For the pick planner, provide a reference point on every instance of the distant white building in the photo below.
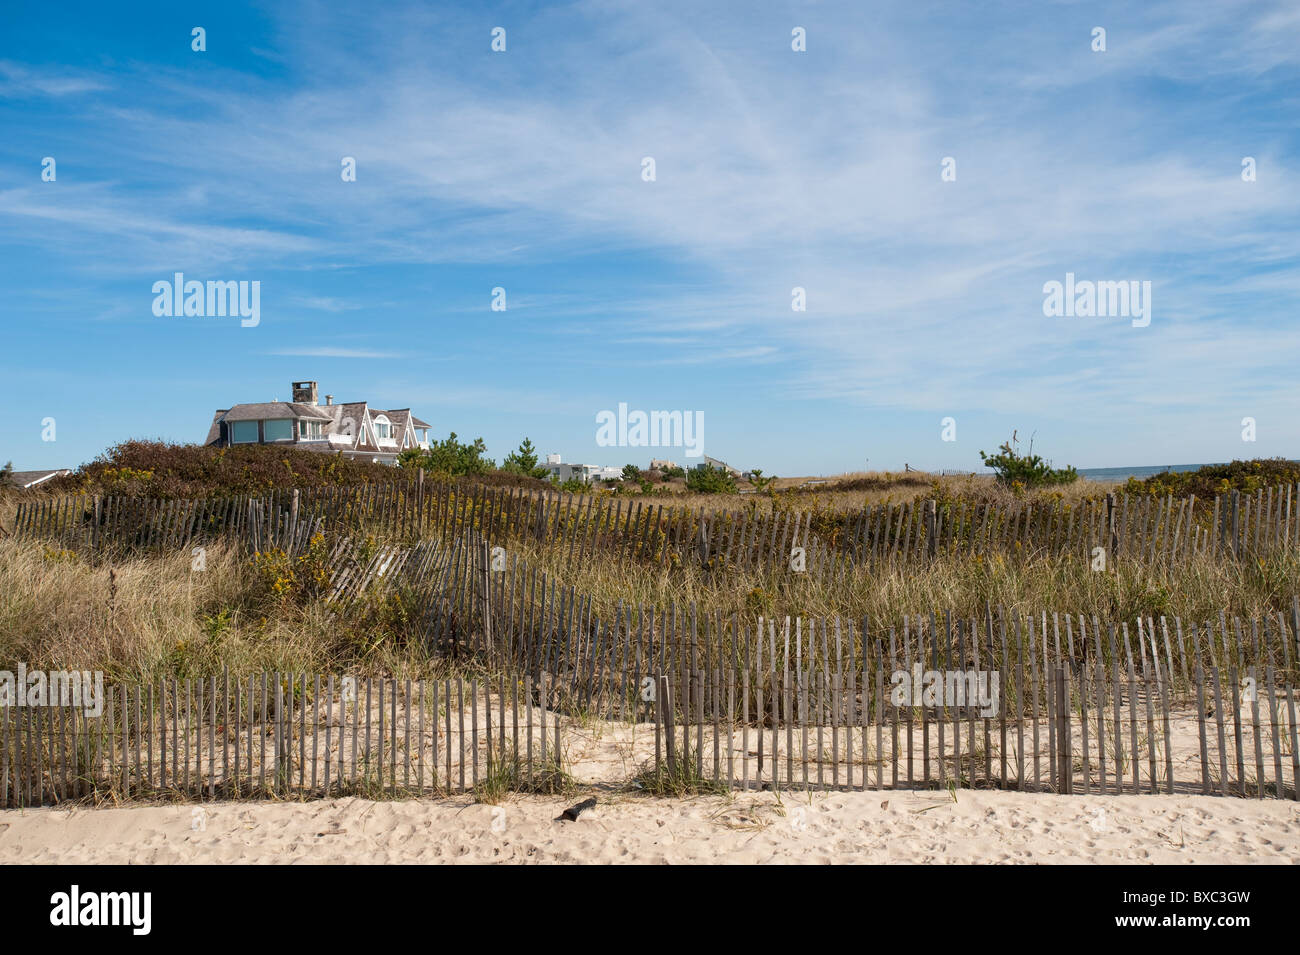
(587, 473)
(709, 462)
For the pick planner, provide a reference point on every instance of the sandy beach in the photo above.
(752, 828)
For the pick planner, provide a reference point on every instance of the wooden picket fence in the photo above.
(278, 735)
(1066, 729)
(581, 527)
(1126, 689)
(120, 525)
(1077, 705)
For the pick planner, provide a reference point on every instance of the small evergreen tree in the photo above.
(449, 457)
(1027, 470)
(524, 461)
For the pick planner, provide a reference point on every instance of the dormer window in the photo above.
(383, 428)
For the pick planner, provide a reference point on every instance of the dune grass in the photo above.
(1195, 589)
(150, 617)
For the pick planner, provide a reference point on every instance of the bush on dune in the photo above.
(161, 470)
(1206, 482)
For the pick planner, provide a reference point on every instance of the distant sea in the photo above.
(1123, 474)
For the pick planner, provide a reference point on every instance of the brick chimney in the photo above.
(304, 392)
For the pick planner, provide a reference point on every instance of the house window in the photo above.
(279, 429)
(383, 429)
(309, 430)
(243, 432)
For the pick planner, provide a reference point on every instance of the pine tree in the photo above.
(524, 461)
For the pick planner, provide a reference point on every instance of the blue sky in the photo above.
(774, 169)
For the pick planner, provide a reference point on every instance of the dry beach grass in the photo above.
(152, 617)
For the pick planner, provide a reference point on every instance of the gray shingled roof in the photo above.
(28, 478)
(214, 432)
(414, 420)
(275, 409)
(356, 410)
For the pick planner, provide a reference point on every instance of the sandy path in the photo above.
(981, 826)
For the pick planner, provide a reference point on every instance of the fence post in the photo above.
(1064, 769)
(485, 557)
(931, 526)
(1236, 526)
(419, 499)
(1110, 525)
(664, 704)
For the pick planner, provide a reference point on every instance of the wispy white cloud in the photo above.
(325, 351)
(326, 303)
(17, 80)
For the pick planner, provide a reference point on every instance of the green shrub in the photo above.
(160, 470)
(1206, 482)
(1026, 470)
(710, 480)
(449, 456)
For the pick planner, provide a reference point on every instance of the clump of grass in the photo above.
(681, 777)
(503, 777)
